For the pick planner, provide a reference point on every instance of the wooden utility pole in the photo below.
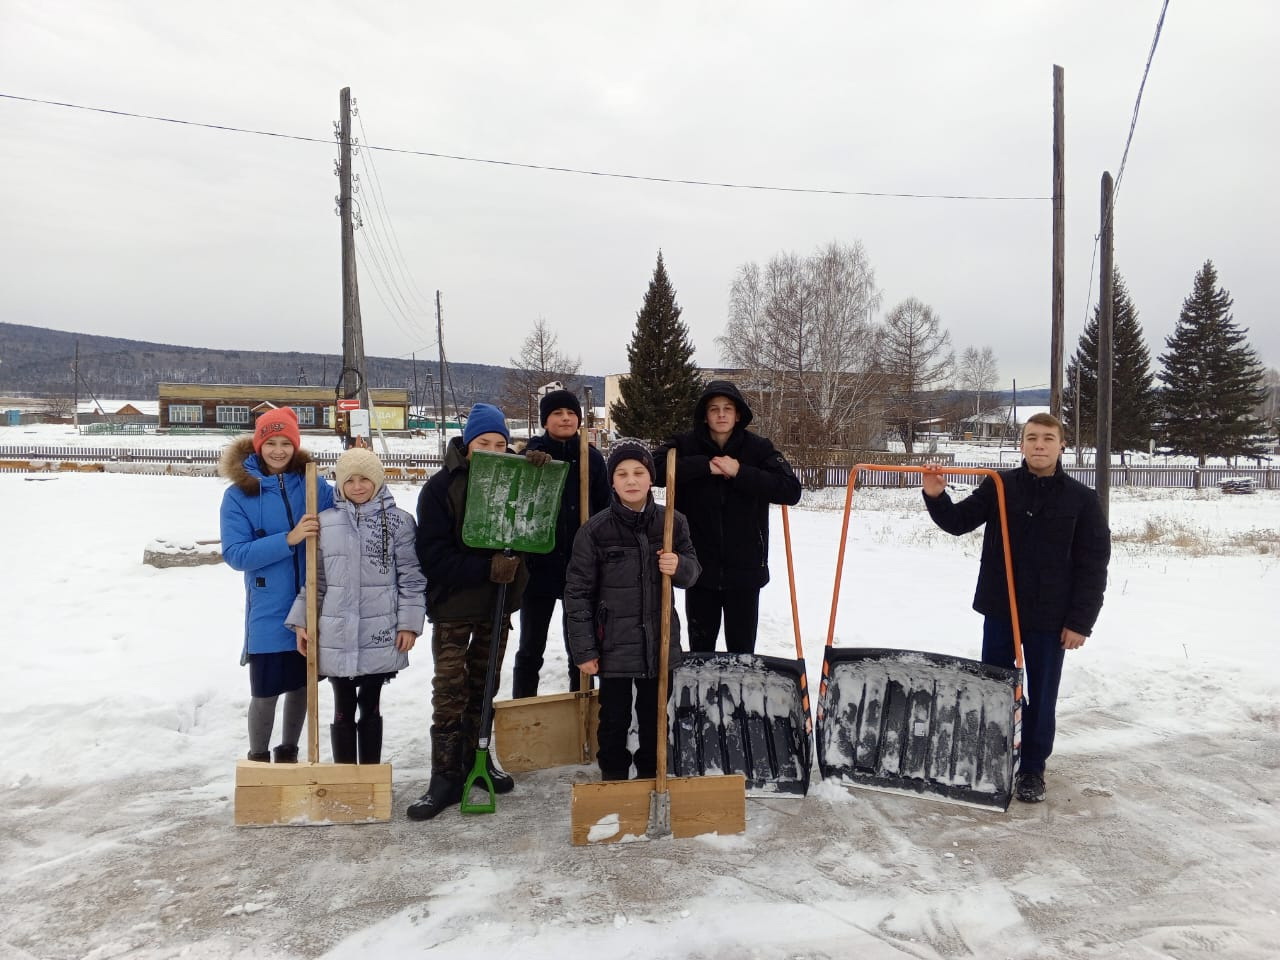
(75, 389)
(1059, 248)
(352, 380)
(1102, 461)
(440, 345)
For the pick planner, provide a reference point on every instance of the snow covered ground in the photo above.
(123, 716)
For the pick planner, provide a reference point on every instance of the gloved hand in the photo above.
(539, 458)
(502, 569)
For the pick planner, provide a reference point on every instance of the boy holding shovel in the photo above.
(613, 600)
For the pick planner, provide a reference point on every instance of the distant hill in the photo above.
(35, 361)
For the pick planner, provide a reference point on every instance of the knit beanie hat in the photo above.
(485, 418)
(359, 462)
(630, 450)
(281, 422)
(557, 399)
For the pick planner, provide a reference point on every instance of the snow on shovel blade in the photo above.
(920, 723)
(741, 713)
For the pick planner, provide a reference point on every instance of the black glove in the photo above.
(539, 458)
(502, 568)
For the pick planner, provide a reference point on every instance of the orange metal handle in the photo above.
(934, 471)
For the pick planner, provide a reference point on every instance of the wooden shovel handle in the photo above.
(668, 535)
(313, 620)
(584, 511)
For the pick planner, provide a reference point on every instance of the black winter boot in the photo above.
(444, 790)
(342, 738)
(502, 781)
(369, 737)
(286, 754)
(264, 757)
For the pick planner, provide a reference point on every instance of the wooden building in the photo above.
(229, 407)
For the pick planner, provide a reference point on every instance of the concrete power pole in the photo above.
(1103, 459)
(440, 345)
(352, 381)
(1059, 247)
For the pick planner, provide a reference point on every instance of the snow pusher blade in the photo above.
(741, 713)
(922, 723)
(618, 811)
(311, 793)
(745, 713)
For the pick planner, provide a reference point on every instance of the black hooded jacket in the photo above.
(1058, 539)
(729, 516)
(546, 571)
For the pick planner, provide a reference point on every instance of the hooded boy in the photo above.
(726, 478)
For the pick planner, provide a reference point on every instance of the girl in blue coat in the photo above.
(264, 525)
(372, 600)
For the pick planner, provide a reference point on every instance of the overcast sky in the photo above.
(136, 228)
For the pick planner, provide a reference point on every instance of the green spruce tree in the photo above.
(1212, 378)
(659, 394)
(1133, 397)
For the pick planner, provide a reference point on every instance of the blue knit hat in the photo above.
(485, 418)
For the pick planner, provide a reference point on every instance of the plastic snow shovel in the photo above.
(746, 713)
(511, 505)
(301, 794)
(554, 729)
(921, 723)
(663, 806)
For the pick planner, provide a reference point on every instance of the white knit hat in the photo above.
(359, 462)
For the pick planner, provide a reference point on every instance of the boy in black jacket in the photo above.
(613, 597)
(726, 478)
(561, 415)
(1060, 547)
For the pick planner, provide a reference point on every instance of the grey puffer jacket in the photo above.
(613, 589)
(369, 586)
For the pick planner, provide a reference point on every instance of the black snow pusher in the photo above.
(745, 713)
(921, 723)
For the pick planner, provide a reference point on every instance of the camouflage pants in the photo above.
(460, 650)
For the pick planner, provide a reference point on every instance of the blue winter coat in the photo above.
(369, 586)
(258, 511)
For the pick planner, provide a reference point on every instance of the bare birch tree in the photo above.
(977, 373)
(917, 360)
(539, 362)
(800, 330)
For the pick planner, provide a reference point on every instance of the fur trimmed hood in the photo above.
(241, 466)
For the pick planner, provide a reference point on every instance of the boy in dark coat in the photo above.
(613, 597)
(1060, 546)
(461, 590)
(726, 478)
(561, 415)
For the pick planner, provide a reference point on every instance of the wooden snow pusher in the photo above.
(554, 729)
(746, 713)
(664, 806)
(311, 793)
(921, 723)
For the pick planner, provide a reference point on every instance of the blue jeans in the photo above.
(1042, 652)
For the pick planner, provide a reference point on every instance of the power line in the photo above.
(537, 166)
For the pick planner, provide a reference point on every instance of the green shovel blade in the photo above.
(480, 772)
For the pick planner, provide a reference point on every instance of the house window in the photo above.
(306, 416)
(229, 414)
(186, 413)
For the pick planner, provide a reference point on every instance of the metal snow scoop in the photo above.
(554, 729)
(511, 505)
(745, 713)
(921, 723)
(664, 806)
(311, 793)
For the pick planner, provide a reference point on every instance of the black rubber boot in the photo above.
(264, 757)
(342, 738)
(369, 738)
(444, 791)
(503, 782)
(286, 754)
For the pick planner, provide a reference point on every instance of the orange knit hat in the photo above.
(282, 422)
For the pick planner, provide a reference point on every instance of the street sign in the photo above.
(351, 403)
